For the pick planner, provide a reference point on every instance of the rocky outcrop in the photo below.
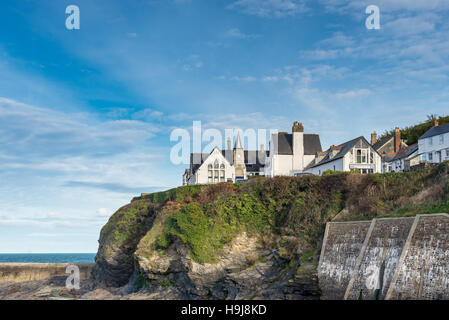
(244, 270)
(114, 263)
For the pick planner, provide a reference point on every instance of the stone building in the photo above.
(388, 148)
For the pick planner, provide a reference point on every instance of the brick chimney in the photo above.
(435, 123)
(373, 138)
(397, 140)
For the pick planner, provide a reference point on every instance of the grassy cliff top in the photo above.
(287, 213)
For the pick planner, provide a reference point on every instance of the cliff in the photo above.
(256, 240)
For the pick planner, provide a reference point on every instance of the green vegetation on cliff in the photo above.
(286, 213)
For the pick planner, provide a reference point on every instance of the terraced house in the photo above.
(433, 146)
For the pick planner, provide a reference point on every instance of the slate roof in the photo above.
(312, 144)
(404, 153)
(379, 144)
(254, 160)
(435, 131)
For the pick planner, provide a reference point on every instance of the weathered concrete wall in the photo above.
(378, 259)
(20, 272)
(396, 258)
(341, 247)
(423, 271)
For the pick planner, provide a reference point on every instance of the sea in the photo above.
(47, 257)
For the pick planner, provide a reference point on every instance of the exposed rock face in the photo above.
(244, 270)
(118, 241)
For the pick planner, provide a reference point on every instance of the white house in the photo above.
(231, 165)
(291, 153)
(356, 154)
(433, 146)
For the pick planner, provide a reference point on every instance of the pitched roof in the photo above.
(379, 144)
(312, 144)
(405, 152)
(435, 131)
(344, 149)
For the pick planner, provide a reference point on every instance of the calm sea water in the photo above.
(47, 257)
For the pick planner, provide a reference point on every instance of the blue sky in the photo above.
(86, 115)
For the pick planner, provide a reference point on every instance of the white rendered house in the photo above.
(356, 154)
(433, 146)
(291, 153)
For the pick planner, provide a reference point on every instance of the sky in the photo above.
(86, 115)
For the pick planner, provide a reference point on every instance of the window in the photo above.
(371, 157)
(447, 153)
(423, 157)
(430, 156)
(442, 139)
(362, 156)
(216, 172)
(431, 141)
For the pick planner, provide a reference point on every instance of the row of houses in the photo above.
(297, 153)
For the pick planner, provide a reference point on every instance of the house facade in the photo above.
(291, 153)
(388, 148)
(357, 154)
(433, 146)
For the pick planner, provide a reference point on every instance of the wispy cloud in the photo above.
(270, 8)
(235, 33)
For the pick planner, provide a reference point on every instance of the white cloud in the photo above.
(270, 8)
(103, 212)
(237, 34)
(353, 93)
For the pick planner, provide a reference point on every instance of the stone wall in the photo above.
(423, 272)
(20, 272)
(378, 259)
(341, 247)
(394, 258)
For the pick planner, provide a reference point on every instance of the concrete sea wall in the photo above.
(21, 272)
(391, 258)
